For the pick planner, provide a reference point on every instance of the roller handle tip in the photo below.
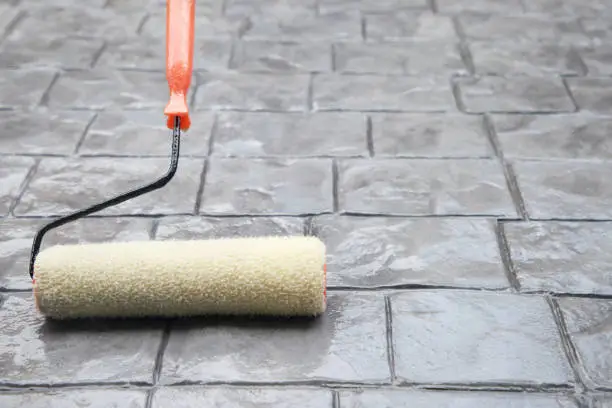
(180, 22)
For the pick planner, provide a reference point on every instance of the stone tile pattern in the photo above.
(454, 156)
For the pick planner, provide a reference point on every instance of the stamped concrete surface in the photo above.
(454, 155)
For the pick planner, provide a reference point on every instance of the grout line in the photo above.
(369, 136)
(9, 291)
(44, 99)
(335, 187)
(433, 6)
(199, 197)
(576, 53)
(333, 56)
(346, 214)
(142, 23)
(459, 31)
(504, 250)
(98, 55)
(515, 191)
(23, 187)
(537, 389)
(489, 129)
(194, 88)
(509, 175)
(159, 360)
(235, 45)
(566, 342)
(405, 288)
(154, 227)
(309, 226)
(206, 167)
(459, 104)
(83, 136)
(288, 215)
(561, 295)
(467, 57)
(12, 25)
(310, 93)
(570, 95)
(415, 287)
(336, 399)
(150, 396)
(389, 336)
(363, 26)
(212, 135)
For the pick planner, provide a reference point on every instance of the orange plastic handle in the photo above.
(180, 20)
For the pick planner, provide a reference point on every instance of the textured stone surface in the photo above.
(39, 132)
(383, 252)
(423, 187)
(536, 28)
(592, 94)
(602, 401)
(459, 146)
(597, 59)
(142, 133)
(24, 88)
(131, 6)
(268, 186)
(574, 190)
(8, 16)
(372, 6)
(408, 26)
(564, 257)
(588, 325)
(333, 26)
(518, 94)
(275, 8)
(242, 397)
(429, 135)
(13, 173)
(65, 185)
(381, 93)
(419, 58)
(16, 237)
(427, 399)
(274, 134)
(15, 246)
(253, 92)
(76, 399)
(209, 227)
(479, 6)
(49, 51)
(86, 22)
(108, 89)
(148, 53)
(564, 136)
(36, 351)
(509, 58)
(282, 57)
(348, 343)
(598, 29)
(494, 338)
(208, 26)
(569, 8)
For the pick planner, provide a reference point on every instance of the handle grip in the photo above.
(180, 21)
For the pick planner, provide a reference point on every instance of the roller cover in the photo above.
(283, 276)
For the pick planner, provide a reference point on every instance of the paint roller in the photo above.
(265, 275)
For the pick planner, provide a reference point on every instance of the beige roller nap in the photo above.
(282, 276)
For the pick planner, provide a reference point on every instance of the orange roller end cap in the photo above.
(180, 22)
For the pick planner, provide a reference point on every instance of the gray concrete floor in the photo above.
(455, 156)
